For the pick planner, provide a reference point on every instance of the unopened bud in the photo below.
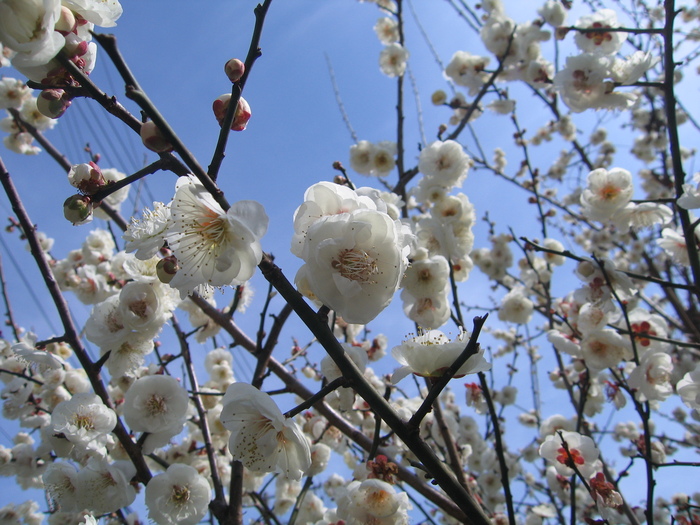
(66, 21)
(53, 103)
(234, 69)
(78, 209)
(153, 139)
(166, 269)
(87, 177)
(439, 97)
(240, 119)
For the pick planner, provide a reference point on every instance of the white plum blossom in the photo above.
(178, 496)
(689, 388)
(467, 70)
(60, 481)
(582, 84)
(445, 162)
(516, 306)
(321, 200)
(604, 349)
(261, 437)
(674, 244)
(392, 60)
(428, 312)
(387, 30)
(606, 192)
(599, 42)
(553, 12)
(373, 501)
(213, 248)
(27, 27)
(354, 262)
(13, 93)
(627, 71)
(154, 404)
(651, 379)
(84, 420)
(102, 487)
(582, 453)
(690, 200)
(103, 13)
(432, 353)
(146, 236)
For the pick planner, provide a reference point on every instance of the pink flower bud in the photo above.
(53, 103)
(167, 268)
(153, 139)
(240, 119)
(66, 22)
(78, 209)
(220, 106)
(234, 69)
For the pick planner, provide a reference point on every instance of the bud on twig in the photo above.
(167, 268)
(53, 103)
(78, 209)
(153, 139)
(234, 69)
(242, 116)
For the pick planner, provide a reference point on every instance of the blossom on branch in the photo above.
(431, 354)
(355, 261)
(213, 247)
(178, 496)
(261, 437)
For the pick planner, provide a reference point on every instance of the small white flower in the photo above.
(582, 453)
(467, 70)
(354, 262)
(674, 244)
(102, 487)
(83, 420)
(103, 13)
(516, 307)
(599, 42)
(146, 236)
(553, 12)
(179, 496)
(261, 437)
(213, 247)
(392, 60)
(387, 30)
(604, 349)
(689, 388)
(651, 379)
(27, 27)
(446, 162)
(373, 501)
(155, 404)
(607, 192)
(432, 353)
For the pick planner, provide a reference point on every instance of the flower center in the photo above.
(213, 228)
(599, 37)
(83, 421)
(570, 458)
(609, 192)
(156, 405)
(356, 265)
(180, 496)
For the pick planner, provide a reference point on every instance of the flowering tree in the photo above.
(602, 301)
